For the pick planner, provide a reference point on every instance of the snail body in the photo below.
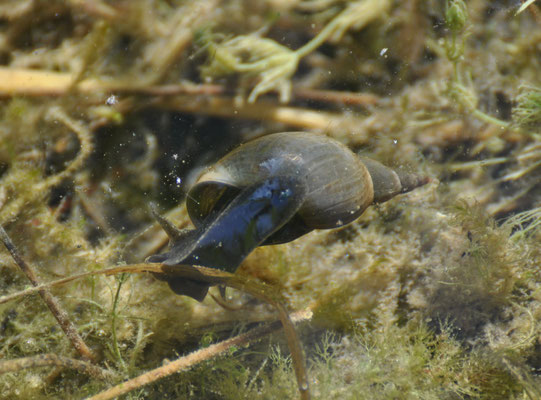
(273, 190)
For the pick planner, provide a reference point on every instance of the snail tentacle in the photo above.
(172, 231)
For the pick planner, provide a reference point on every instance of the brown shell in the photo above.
(339, 185)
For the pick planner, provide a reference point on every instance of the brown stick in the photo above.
(14, 82)
(110, 271)
(55, 308)
(335, 96)
(190, 360)
(304, 118)
(54, 360)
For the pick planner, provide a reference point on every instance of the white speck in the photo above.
(178, 181)
(284, 194)
(395, 141)
(270, 164)
(383, 51)
(107, 188)
(111, 100)
(175, 156)
(34, 381)
(220, 244)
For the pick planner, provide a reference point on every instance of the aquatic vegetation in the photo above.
(274, 64)
(109, 106)
(527, 112)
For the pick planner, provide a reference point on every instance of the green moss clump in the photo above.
(527, 112)
(409, 362)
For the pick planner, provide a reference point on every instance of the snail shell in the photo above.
(339, 184)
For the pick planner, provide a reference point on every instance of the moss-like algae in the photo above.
(430, 296)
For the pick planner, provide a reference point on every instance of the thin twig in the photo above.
(29, 82)
(211, 276)
(110, 271)
(335, 96)
(174, 90)
(54, 360)
(61, 316)
(304, 118)
(114, 316)
(192, 359)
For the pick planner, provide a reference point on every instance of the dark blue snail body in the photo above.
(273, 190)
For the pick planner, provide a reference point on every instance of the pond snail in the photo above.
(273, 190)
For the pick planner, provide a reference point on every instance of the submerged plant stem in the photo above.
(114, 316)
(358, 14)
(54, 360)
(334, 123)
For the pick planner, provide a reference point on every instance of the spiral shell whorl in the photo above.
(338, 184)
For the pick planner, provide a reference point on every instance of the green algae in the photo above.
(434, 295)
